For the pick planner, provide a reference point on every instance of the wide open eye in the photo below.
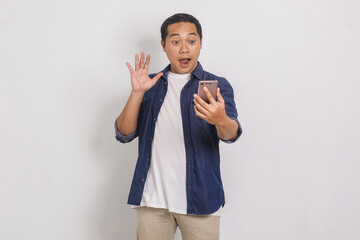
(192, 41)
(176, 42)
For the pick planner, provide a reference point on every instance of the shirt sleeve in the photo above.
(230, 107)
(122, 138)
(238, 134)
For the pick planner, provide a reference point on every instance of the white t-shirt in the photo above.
(165, 185)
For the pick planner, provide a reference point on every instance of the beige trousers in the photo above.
(160, 224)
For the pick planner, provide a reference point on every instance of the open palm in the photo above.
(140, 80)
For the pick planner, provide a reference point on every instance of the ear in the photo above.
(163, 45)
(201, 43)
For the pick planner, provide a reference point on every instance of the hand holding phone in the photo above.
(211, 85)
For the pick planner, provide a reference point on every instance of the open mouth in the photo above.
(184, 61)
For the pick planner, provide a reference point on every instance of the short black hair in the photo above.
(179, 17)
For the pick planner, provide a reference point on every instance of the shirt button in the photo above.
(143, 179)
(150, 139)
(160, 99)
(154, 119)
(148, 159)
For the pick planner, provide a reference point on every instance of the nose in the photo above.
(184, 48)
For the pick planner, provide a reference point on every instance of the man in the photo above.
(177, 180)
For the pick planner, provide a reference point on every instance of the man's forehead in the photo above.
(182, 28)
(178, 34)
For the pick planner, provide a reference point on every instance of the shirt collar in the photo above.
(198, 71)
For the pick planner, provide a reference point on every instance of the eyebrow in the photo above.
(176, 34)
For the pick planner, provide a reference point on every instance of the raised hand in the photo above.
(140, 80)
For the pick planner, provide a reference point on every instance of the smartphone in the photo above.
(211, 85)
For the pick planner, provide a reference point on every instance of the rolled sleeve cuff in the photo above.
(239, 132)
(122, 138)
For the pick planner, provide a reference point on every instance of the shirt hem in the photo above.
(216, 213)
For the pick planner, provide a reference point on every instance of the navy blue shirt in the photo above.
(204, 189)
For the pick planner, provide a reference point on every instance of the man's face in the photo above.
(182, 47)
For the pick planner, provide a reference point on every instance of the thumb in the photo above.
(157, 77)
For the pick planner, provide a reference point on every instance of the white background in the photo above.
(295, 69)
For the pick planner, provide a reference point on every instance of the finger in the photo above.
(147, 62)
(142, 60)
(202, 116)
(199, 114)
(219, 96)
(209, 96)
(201, 102)
(129, 67)
(157, 77)
(201, 109)
(137, 62)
